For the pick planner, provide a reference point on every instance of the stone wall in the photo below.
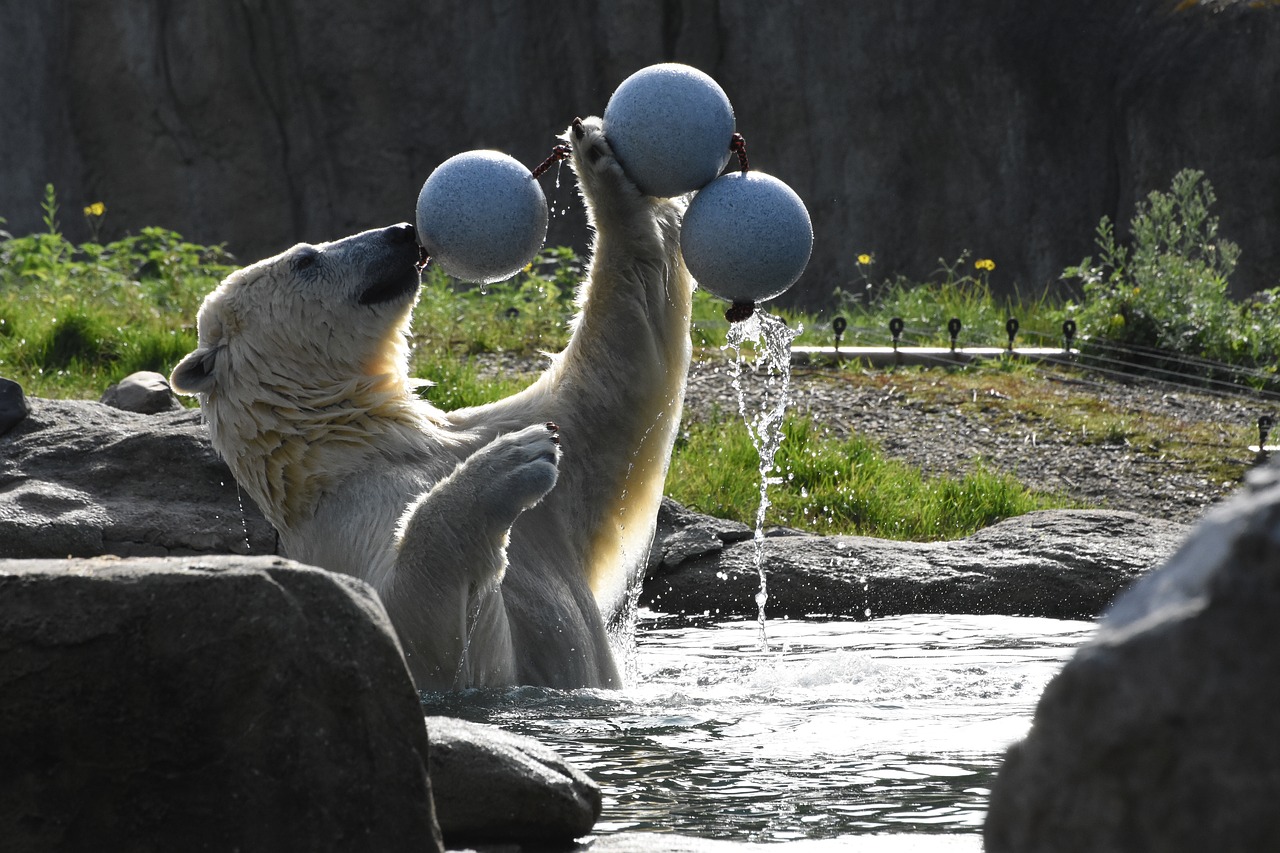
(914, 130)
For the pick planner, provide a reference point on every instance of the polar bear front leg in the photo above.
(445, 595)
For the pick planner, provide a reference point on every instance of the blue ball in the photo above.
(746, 237)
(670, 126)
(482, 216)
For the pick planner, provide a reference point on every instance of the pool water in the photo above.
(887, 726)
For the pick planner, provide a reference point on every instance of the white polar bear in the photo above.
(499, 558)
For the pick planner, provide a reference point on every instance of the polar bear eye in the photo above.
(305, 259)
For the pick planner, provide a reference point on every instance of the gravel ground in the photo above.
(920, 418)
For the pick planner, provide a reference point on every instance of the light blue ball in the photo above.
(746, 237)
(482, 216)
(670, 126)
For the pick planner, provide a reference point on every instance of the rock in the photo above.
(84, 479)
(1065, 564)
(491, 785)
(1061, 111)
(681, 534)
(13, 405)
(1161, 734)
(143, 392)
(223, 703)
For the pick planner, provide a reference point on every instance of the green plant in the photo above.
(960, 290)
(1168, 289)
(456, 384)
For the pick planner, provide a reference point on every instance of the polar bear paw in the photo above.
(516, 470)
(599, 173)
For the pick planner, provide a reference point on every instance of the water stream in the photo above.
(771, 340)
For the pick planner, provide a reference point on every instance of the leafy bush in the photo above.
(1169, 289)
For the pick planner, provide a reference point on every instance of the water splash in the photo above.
(771, 339)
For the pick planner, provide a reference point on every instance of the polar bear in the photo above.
(502, 539)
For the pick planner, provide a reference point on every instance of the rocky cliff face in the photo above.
(913, 130)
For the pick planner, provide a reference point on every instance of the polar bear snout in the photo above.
(393, 263)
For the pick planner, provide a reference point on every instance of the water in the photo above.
(845, 729)
(771, 339)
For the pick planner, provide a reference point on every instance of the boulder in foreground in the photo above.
(220, 703)
(1162, 733)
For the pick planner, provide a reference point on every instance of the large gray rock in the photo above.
(1162, 734)
(1065, 564)
(914, 130)
(495, 786)
(211, 704)
(83, 479)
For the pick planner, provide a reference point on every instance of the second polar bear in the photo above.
(501, 538)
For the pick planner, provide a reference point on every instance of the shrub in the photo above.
(1168, 289)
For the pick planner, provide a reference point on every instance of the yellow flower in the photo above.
(985, 264)
(95, 209)
(864, 259)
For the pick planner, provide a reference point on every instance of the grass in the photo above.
(961, 290)
(829, 485)
(74, 319)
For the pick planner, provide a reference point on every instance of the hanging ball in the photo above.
(482, 216)
(670, 126)
(746, 237)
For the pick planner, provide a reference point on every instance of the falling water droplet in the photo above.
(244, 521)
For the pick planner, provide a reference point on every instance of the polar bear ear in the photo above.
(195, 373)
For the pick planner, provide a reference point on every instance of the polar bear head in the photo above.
(302, 358)
(308, 322)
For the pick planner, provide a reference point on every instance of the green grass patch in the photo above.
(524, 315)
(828, 484)
(76, 318)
